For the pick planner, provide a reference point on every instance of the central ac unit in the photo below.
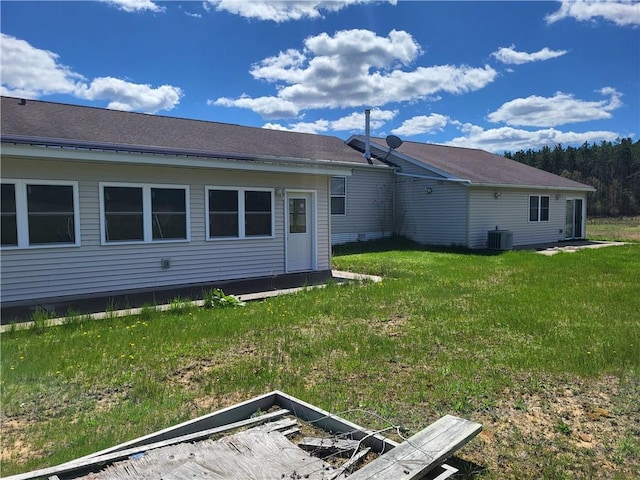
(499, 240)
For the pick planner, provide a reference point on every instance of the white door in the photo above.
(300, 231)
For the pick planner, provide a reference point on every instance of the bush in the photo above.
(217, 298)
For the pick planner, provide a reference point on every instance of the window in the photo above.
(144, 213)
(123, 214)
(223, 213)
(169, 211)
(538, 208)
(9, 226)
(338, 195)
(239, 213)
(257, 213)
(37, 213)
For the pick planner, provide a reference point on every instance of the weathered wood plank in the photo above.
(416, 456)
(249, 455)
(343, 472)
(85, 462)
(329, 445)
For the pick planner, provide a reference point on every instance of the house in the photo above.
(454, 196)
(96, 201)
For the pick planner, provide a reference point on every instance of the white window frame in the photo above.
(331, 195)
(147, 219)
(22, 213)
(241, 212)
(539, 219)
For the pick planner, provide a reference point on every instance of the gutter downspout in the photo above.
(464, 181)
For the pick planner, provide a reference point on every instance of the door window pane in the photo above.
(169, 213)
(223, 213)
(50, 214)
(123, 212)
(297, 215)
(9, 226)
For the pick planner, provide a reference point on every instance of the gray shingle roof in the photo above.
(481, 167)
(101, 126)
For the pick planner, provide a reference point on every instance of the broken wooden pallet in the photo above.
(424, 451)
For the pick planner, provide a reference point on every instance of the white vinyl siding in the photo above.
(432, 213)
(369, 213)
(510, 211)
(39, 213)
(95, 268)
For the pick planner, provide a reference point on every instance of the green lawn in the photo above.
(621, 228)
(543, 351)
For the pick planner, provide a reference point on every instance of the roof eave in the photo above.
(585, 188)
(61, 149)
(407, 158)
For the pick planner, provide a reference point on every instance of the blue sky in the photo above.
(501, 76)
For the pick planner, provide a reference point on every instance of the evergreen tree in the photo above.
(612, 168)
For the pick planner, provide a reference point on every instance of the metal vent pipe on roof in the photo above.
(367, 135)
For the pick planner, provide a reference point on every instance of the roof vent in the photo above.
(367, 135)
(23, 101)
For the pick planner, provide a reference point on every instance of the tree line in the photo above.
(613, 168)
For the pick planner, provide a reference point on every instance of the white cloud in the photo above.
(353, 122)
(355, 68)
(131, 6)
(512, 139)
(511, 56)
(276, 126)
(30, 72)
(284, 10)
(620, 13)
(131, 96)
(301, 127)
(268, 107)
(560, 109)
(422, 124)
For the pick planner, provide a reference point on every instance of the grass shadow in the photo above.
(401, 243)
(466, 469)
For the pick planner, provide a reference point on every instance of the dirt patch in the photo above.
(15, 444)
(581, 426)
